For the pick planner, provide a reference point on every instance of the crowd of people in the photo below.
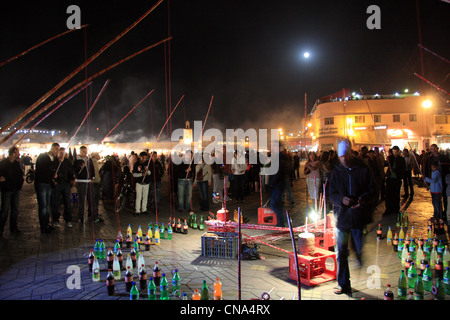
(59, 177)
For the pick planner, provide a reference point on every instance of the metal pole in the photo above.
(295, 254)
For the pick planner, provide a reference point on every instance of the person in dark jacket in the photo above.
(46, 167)
(352, 193)
(83, 176)
(157, 171)
(276, 183)
(394, 177)
(141, 174)
(11, 182)
(64, 181)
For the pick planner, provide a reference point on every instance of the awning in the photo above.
(371, 137)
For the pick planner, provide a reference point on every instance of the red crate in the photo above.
(223, 215)
(319, 267)
(266, 216)
(325, 240)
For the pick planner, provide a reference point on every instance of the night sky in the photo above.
(247, 54)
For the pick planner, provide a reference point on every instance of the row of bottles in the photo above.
(204, 292)
(416, 285)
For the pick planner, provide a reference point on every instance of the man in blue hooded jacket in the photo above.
(352, 192)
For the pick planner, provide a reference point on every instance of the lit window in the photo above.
(329, 121)
(396, 118)
(359, 119)
(377, 117)
(413, 117)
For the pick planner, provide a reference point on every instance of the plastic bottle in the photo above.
(178, 228)
(129, 231)
(446, 257)
(184, 297)
(142, 277)
(157, 236)
(151, 289)
(412, 249)
(405, 220)
(398, 222)
(110, 258)
(147, 242)
(408, 262)
(117, 246)
(379, 232)
(162, 231)
(435, 241)
(120, 258)
(201, 225)
(401, 235)
(169, 232)
(430, 231)
(164, 288)
(97, 248)
(116, 268)
(420, 241)
(96, 270)
(395, 242)
(388, 294)
(419, 257)
(194, 222)
(196, 295)
(407, 240)
(402, 286)
(128, 279)
(427, 248)
(134, 292)
(176, 283)
(433, 257)
(217, 289)
(446, 280)
(205, 292)
(400, 247)
(412, 275)
(412, 234)
(141, 260)
(157, 274)
(139, 233)
(440, 295)
(389, 236)
(150, 234)
(132, 254)
(110, 283)
(119, 238)
(185, 227)
(427, 279)
(423, 264)
(410, 295)
(404, 254)
(439, 268)
(418, 289)
(91, 260)
(440, 248)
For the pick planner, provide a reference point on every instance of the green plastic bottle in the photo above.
(201, 225)
(176, 283)
(204, 294)
(440, 295)
(427, 278)
(194, 224)
(116, 246)
(400, 248)
(169, 232)
(164, 288)
(102, 250)
(446, 280)
(151, 289)
(418, 289)
(402, 286)
(134, 292)
(97, 248)
(412, 275)
(162, 231)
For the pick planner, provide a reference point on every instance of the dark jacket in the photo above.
(277, 180)
(45, 169)
(355, 182)
(157, 170)
(80, 171)
(65, 172)
(13, 175)
(396, 167)
(139, 174)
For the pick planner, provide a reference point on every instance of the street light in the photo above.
(426, 104)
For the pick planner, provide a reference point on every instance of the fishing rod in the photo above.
(40, 44)
(77, 70)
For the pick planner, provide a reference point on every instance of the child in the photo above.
(436, 190)
(447, 181)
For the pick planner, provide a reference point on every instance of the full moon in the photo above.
(306, 55)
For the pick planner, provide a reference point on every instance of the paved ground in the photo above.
(35, 266)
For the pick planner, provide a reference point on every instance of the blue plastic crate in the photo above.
(225, 245)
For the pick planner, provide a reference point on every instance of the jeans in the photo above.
(276, 204)
(158, 191)
(10, 202)
(61, 190)
(184, 194)
(342, 242)
(407, 183)
(436, 200)
(93, 195)
(82, 190)
(203, 190)
(44, 200)
(393, 187)
(288, 190)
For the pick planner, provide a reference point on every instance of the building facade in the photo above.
(408, 121)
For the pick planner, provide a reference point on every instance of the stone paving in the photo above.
(35, 266)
